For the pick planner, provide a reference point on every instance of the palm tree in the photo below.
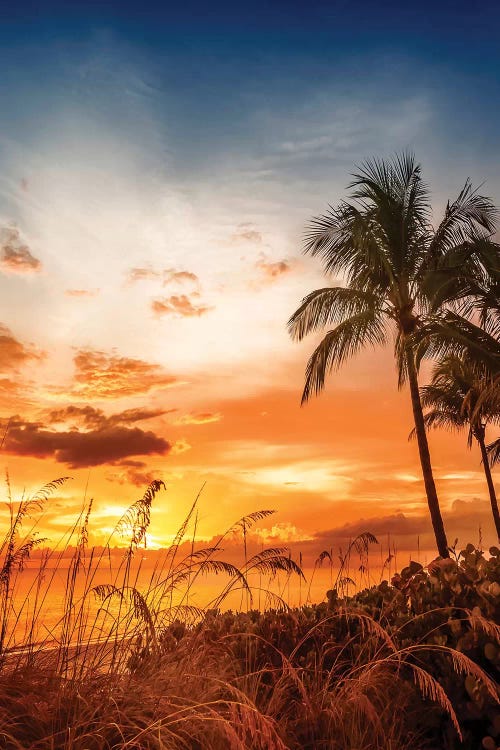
(456, 400)
(382, 242)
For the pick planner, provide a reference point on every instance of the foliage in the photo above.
(401, 278)
(153, 671)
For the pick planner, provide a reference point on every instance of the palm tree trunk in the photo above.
(491, 486)
(425, 458)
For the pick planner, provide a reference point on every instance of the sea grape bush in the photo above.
(430, 616)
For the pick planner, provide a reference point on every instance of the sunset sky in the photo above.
(157, 170)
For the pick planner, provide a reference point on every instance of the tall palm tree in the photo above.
(382, 243)
(456, 400)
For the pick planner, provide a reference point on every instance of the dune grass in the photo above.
(410, 664)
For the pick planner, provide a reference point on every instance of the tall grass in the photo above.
(133, 662)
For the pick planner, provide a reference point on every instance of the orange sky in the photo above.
(144, 336)
(114, 420)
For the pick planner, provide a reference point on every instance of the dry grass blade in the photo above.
(135, 521)
(431, 689)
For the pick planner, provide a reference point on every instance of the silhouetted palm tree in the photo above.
(383, 245)
(455, 399)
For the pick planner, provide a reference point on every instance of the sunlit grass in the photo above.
(135, 662)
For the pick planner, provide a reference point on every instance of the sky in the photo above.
(158, 166)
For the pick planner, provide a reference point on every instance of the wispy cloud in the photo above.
(180, 446)
(246, 232)
(171, 275)
(15, 255)
(103, 375)
(180, 305)
(143, 273)
(81, 292)
(166, 276)
(13, 353)
(197, 418)
(133, 472)
(272, 270)
(92, 418)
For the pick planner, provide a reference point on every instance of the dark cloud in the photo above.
(180, 305)
(466, 521)
(78, 448)
(396, 524)
(15, 255)
(89, 417)
(13, 353)
(102, 375)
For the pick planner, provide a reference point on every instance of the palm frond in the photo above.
(326, 306)
(450, 333)
(338, 345)
(493, 450)
(469, 215)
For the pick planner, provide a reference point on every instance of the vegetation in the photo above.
(409, 664)
(459, 397)
(405, 278)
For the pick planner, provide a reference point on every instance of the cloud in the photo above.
(246, 233)
(134, 472)
(13, 353)
(90, 417)
(9, 386)
(307, 146)
(171, 275)
(79, 449)
(107, 375)
(180, 305)
(272, 270)
(280, 533)
(167, 275)
(205, 417)
(142, 274)
(15, 255)
(464, 520)
(81, 292)
(180, 446)
(395, 524)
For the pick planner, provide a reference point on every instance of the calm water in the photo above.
(38, 601)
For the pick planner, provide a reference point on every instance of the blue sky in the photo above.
(208, 71)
